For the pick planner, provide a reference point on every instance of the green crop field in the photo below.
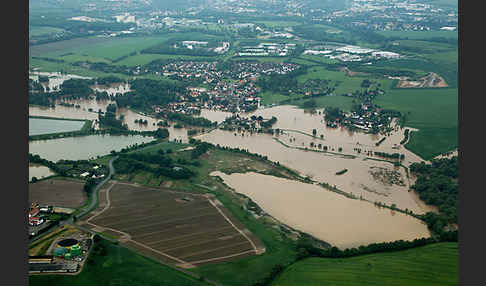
(430, 265)
(433, 111)
(119, 266)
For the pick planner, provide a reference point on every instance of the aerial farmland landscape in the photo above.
(245, 143)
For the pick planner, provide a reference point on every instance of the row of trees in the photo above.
(190, 120)
(135, 162)
(149, 92)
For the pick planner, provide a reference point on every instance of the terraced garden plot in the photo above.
(174, 227)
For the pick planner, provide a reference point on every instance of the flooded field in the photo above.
(129, 116)
(38, 126)
(373, 180)
(215, 115)
(326, 215)
(83, 148)
(113, 89)
(39, 171)
(55, 79)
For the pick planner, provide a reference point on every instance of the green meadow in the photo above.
(431, 265)
(433, 111)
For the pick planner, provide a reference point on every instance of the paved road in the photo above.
(94, 201)
(86, 209)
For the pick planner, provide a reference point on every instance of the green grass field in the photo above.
(433, 111)
(346, 84)
(430, 265)
(98, 47)
(418, 35)
(120, 266)
(42, 30)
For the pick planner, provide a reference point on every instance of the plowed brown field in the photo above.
(180, 228)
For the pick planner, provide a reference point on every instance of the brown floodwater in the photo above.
(326, 215)
(322, 167)
(83, 147)
(39, 171)
(128, 114)
(55, 79)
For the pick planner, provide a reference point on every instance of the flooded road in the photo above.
(326, 215)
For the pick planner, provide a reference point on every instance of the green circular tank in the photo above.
(60, 251)
(75, 250)
(67, 256)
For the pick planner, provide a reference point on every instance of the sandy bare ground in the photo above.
(430, 80)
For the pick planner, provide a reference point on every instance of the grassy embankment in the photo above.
(435, 264)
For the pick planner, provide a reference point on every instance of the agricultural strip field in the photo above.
(119, 266)
(62, 193)
(430, 265)
(179, 228)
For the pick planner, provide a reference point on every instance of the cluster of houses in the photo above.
(231, 88)
(35, 214)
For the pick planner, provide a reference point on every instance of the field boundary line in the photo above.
(222, 257)
(108, 203)
(159, 252)
(230, 222)
(153, 216)
(214, 249)
(167, 221)
(193, 244)
(191, 234)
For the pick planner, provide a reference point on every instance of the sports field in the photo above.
(431, 265)
(175, 227)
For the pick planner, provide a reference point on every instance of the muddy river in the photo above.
(326, 215)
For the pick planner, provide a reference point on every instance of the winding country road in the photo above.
(94, 193)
